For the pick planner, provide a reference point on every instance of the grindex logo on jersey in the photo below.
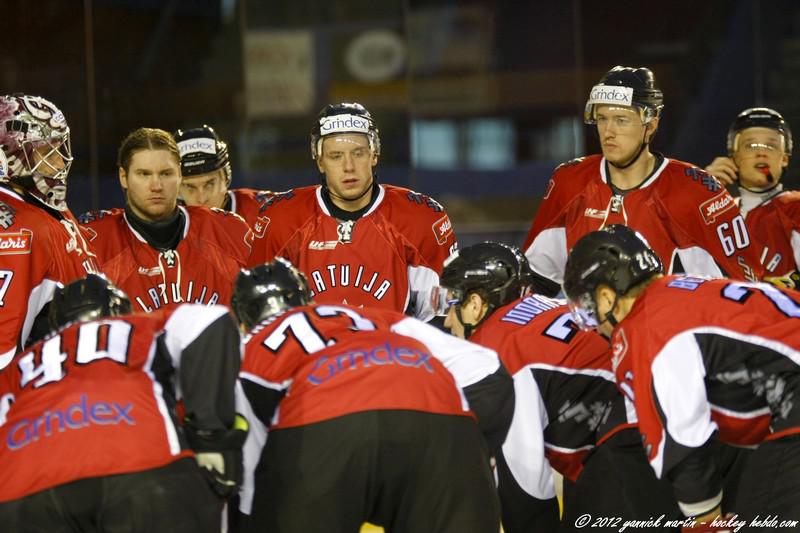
(79, 415)
(16, 243)
(442, 229)
(713, 208)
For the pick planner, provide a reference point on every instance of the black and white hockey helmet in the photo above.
(202, 152)
(759, 117)
(626, 86)
(344, 118)
(87, 299)
(500, 273)
(615, 256)
(35, 150)
(268, 289)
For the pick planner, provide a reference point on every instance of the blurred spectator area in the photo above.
(476, 101)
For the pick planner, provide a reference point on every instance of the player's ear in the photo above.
(374, 159)
(785, 160)
(123, 179)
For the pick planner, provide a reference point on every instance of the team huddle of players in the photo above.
(282, 341)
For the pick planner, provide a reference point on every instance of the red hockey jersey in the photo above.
(88, 400)
(731, 365)
(685, 215)
(333, 360)
(384, 259)
(566, 398)
(201, 269)
(248, 203)
(775, 226)
(38, 249)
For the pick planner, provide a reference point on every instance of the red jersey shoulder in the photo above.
(411, 210)
(788, 203)
(284, 212)
(696, 189)
(225, 228)
(19, 223)
(103, 229)
(571, 178)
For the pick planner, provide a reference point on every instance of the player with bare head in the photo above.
(162, 254)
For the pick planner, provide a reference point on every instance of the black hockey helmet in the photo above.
(268, 289)
(86, 299)
(202, 151)
(501, 273)
(759, 117)
(615, 256)
(344, 118)
(626, 86)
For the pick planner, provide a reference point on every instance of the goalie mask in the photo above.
(35, 151)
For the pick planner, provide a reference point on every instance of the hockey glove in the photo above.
(789, 281)
(219, 455)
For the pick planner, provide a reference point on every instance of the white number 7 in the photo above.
(5, 283)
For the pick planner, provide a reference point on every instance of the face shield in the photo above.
(584, 312)
(442, 298)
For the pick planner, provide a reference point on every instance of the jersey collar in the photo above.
(375, 204)
(646, 183)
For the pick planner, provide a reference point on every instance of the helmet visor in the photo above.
(584, 312)
(442, 298)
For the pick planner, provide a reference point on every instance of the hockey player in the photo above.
(358, 241)
(759, 148)
(703, 360)
(162, 254)
(690, 220)
(206, 172)
(367, 413)
(90, 436)
(569, 413)
(40, 241)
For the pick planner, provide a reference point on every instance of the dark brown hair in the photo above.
(146, 139)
